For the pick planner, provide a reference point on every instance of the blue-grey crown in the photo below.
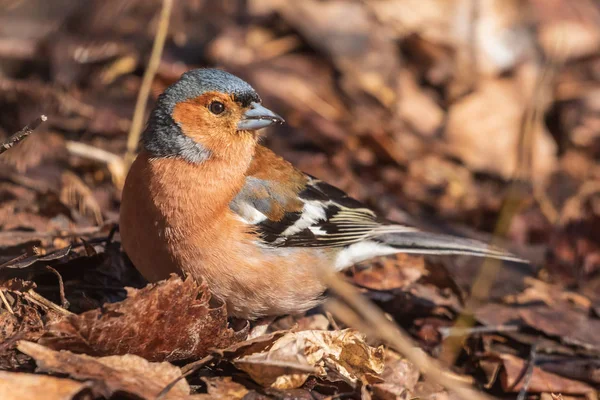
(196, 82)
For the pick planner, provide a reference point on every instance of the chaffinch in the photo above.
(203, 198)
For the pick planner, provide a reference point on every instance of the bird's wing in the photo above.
(288, 208)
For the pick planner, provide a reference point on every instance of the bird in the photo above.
(204, 199)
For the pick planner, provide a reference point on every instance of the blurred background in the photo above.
(432, 112)
(424, 109)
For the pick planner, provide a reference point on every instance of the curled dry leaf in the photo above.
(127, 374)
(167, 321)
(25, 320)
(18, 386)
(22, 263)
(252, 345)
(333, 355)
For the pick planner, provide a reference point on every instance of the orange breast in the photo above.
(175, 218)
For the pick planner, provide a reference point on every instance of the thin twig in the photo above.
(61, 287)
(114, 163)
(186, 371)
(515, 199)
(92, 153)
(474, 17)
(22, 134)
(478, 330)
(32, 296)
(528, 373)
(371, 316)
(142, 99)
(5, 301)
(285, 365)
(332, 321)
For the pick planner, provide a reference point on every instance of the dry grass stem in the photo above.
(142, 98)
(517, 193)
(41, 301)
(115, 164)
(5, 302)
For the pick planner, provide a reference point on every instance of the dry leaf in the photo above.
(400, 378)
(167, 321)
(42, 146)
(571, 326)
(26, 322)
(252, 345)
(489, 141)
(585, 369)
(109, 375)
(498, 36)
(19, 386)
(417, 108)
(428, 18)
(76, 194)
(22, 263)
(567, 29)
(223, 388)
(442, 184)
(369, 62)
(334, 355)
(430, 391)
(394, 272)
(541, 381)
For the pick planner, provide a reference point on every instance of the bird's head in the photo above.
(206, 113)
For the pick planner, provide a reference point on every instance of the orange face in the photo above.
(211, 120)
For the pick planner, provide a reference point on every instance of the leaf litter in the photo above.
(413, 107)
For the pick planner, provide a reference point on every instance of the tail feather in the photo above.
(409, 241)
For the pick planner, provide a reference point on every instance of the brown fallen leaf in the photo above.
(417, 108)
(76, 194)
(513, 372)
(22, 263)
(167, 321)
(567, 29)
(488, 142)
(586, 369)
(400, 378)
(398, 271)
(574, 257)
(570, 326)
(19, 386)
(41, 147)
(26, 320)
(333, 355)
(369, 62)
(222, 388)
(127, 374)
(430, 391)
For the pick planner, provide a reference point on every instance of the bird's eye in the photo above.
(216, 107)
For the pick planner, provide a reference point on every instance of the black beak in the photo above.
(258, 117)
